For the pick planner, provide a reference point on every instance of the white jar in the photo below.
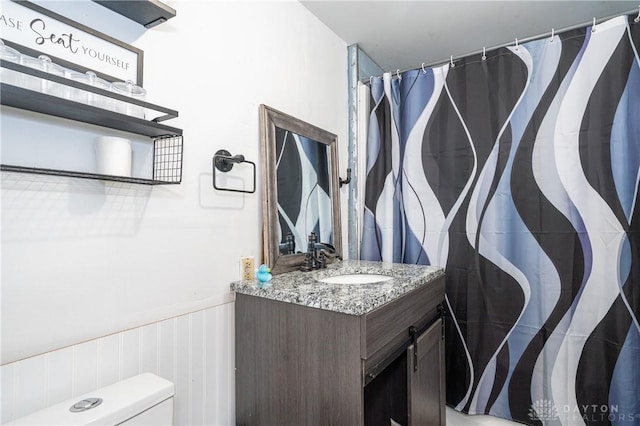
(43, 63)
(129, 89)
(90, 78)
(8, 76)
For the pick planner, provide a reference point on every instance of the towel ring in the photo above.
(224, 161)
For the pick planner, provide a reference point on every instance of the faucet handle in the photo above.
(322, 260)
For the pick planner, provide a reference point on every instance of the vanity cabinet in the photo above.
(301, 365)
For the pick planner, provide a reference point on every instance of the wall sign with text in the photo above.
(34, 30)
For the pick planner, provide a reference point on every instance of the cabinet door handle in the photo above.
(413, 332)
(443, 315)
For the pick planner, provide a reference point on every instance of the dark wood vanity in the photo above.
(303, 365)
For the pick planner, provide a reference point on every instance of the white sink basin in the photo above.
(356, 279)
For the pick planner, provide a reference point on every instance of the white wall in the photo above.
(84, 259)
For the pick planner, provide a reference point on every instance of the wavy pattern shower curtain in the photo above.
(519, 174)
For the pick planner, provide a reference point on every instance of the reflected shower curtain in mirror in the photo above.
(304, 194)
(519, 174)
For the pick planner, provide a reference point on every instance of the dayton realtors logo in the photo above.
(545, 409)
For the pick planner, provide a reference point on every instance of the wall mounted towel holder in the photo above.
(224, 162)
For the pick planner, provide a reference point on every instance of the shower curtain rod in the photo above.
(524, 40)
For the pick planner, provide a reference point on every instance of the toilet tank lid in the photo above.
(121, 401)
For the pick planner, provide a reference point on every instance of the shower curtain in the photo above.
(519, 174)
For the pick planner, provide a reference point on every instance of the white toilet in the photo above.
(141, 400)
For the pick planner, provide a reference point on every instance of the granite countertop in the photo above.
(302, 288)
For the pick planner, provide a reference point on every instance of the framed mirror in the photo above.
(300, 189)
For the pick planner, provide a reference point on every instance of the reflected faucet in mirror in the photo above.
(288, 246)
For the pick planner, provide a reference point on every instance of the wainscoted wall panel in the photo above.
(194, 351)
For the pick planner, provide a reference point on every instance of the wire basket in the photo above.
(167, 159)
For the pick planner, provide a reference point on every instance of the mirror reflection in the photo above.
(300, 188)
(304, 193)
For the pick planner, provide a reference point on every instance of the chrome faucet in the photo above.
(313, 258)
(329, 251)
(317, 254)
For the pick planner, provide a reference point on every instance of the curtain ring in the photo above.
(484, 53)
(398, 74)
(593, 27)
(370, 80)
(637, 17)
(423, 70)
(553, 33)
(452, 64)
(517, 47)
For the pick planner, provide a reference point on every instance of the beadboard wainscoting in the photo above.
(194, 351)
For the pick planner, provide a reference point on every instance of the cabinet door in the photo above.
(425, 384)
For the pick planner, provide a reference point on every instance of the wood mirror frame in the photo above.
(270, 119)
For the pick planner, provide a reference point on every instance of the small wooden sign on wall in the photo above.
(34, 30)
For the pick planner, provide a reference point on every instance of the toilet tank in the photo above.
(145, 399)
